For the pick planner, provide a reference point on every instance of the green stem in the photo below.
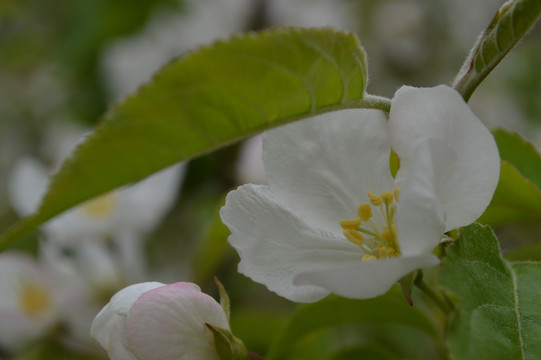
(443, 304)
(376, 102)
(253, 355)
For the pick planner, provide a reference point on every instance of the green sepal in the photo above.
(407, 283)
(227, 345)
(224, 298)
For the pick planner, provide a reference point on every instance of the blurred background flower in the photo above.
(59, 72)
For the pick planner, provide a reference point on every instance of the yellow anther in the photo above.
(397, 192)
(369, 257)
(350, 223)
(354, 236)
(365, 212)
(387, 197)
(375, 200)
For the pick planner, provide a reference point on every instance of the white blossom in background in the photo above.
(31, 300)
(122, 214)
(157, 321)
(129, 62)
(340, 14)
(400, 30)
(249, 165)
(333, 219)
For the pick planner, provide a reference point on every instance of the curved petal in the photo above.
(440, 113)
(420, 217)
(109, 326)
(169, 323)
(275, 246)
(365, 279)
(322, 168)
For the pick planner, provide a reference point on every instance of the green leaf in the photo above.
(521, 153)
(518, 195)
(511, 22)
(499, 314)
(332, 311)
(210, 98)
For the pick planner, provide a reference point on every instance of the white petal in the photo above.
(27, 185)
(275, 245)
(420, 217)
(249, 165)
(19, 272)
(169, 323)
(109, 326)
(322, 168)
(365, 279)
(143, 205)
(440, 113)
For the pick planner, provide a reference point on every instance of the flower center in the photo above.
(100, 207)
(34, 300)
(377, 236)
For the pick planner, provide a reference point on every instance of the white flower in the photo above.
(124, 213)
(333, 219)
(156, 321)
(31, 303)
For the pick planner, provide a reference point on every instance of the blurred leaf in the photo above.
(208, 99)
(521, 153)
(364, 352)
(334, 311)
(516, 198)
(211, 249)
(499, 314)
(530, 252)
(511, 22)
(518, 195)
(257, 328)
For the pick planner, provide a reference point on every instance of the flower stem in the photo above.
(253, 355)
(443, 304)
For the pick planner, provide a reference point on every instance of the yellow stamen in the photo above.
(387, 197)
(365, 212)
(34, 300)
(397, 192)
(350, 223)
(386, 234)
(100, 207)
(378, 215)
(386, 251)
(375, 200)
(354, 236)
(369, 257)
